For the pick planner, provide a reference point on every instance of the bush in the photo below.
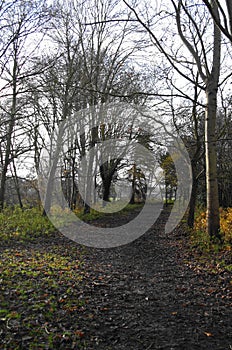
(225, 222)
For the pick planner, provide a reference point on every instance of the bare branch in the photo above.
(109, 21)
(158, 43)
(185, 41)
(216, 19)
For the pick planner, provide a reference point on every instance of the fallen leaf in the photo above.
(208, 334)
(79, 333)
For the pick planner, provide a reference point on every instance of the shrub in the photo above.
(225, 223)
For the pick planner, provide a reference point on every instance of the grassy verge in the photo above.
(41, 281)
(29, 224)
(112, 208)
(211, 256)
(25, 224)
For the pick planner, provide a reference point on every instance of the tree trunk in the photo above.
(107, 171)
(49, 188)
(229, 9)
(17, 186)
(166, 193)
(51, 176)
(9, 133)
(133, 185)
(106, 189)
(86, 208)
(213, 219)
(192, 203)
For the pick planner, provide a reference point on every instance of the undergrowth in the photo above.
(225, 225)
(28, 224)
(205, 250)
(16, 223)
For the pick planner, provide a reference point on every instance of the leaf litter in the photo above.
(150, 294)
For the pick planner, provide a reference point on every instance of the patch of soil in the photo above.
(143, 296)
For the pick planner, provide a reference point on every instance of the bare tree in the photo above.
(208, 65)
(93, 64)
(211, 79)
(20, 21)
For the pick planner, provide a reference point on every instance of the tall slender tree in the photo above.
(19, 21)
(195, 41)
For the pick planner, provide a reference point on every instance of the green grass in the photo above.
(29, 224)
(112, 208)
(40, 283)
(117, 207)
(21, 224)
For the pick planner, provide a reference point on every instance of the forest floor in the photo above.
(154, 293)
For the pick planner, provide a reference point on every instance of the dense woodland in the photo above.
(59, 59)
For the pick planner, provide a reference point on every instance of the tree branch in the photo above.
(157, 43)
(185, 41)
(216, 19)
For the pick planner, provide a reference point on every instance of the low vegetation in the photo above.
(202, 253)
(19, 224)
(28, 224)
(225, 224)
(39, 294)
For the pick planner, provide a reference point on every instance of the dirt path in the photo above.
(146, 298)
(141, 296)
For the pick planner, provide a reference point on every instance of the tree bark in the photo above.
(17, 186)
(213, 218)
(51, 176)
(7, 159)
(192, 203)
(106, 189)
(133, 185)
(229, 9)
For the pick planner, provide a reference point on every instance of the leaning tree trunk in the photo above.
(17, 186)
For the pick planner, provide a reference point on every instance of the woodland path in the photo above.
(147, 298)
(141, 296)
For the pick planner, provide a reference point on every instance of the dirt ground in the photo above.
(143, 296)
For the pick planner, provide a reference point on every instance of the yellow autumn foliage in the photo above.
(225, 223)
